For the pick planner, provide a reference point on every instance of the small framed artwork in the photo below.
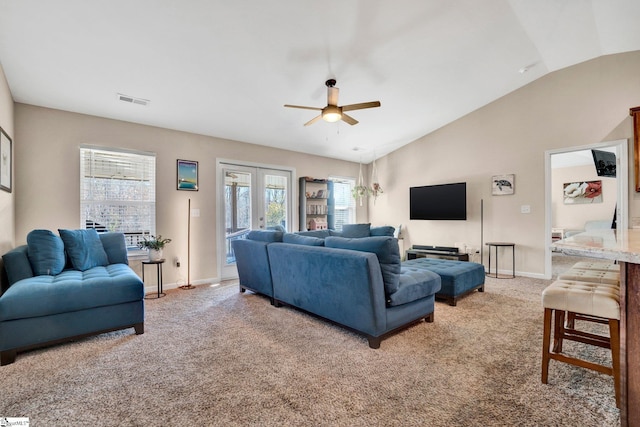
(582, 192)
(502, 185)
(187, 175)
(5, 161)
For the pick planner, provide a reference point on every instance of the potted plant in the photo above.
(154, 245)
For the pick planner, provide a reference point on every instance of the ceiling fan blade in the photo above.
(312, 121)
(303, 107)
(349, 119)
(361, 106)
(332, 95)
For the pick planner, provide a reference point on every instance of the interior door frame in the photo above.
(221, 163)
(622, 184)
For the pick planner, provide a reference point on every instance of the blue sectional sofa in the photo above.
(62, 288)
(357, 282)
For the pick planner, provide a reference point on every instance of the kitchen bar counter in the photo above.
(622, 246)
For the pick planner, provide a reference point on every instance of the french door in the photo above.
(253, 198)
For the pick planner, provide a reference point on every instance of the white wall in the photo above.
(580, 105)
(48, 167)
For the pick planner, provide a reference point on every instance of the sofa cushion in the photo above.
(356, 230)
(45, 252)
(268, 236)
(71, 290)
(84, 248)
(297, 239)
(115, 247)
(321, 234)
(384, 230)
(385, 248)
(415, 283)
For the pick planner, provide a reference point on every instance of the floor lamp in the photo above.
(188, 285)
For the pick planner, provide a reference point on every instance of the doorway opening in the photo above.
(570, 173)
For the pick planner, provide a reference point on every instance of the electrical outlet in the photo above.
(525, 209)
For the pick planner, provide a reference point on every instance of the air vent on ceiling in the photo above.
(133, 99)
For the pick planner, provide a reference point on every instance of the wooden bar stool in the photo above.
(593, 272)
(593, 301)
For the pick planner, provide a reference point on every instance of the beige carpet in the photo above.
(213, 356)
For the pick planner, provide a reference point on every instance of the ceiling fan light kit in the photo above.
(332, 112)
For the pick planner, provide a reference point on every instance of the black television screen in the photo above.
(605, 162)
(438, 202)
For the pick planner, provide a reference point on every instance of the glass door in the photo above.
(254, 198)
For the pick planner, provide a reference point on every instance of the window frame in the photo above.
(351, 208)
(97, 188)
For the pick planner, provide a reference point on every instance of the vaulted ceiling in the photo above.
(226, 69)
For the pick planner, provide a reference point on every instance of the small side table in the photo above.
(496, 245)
(158, 265)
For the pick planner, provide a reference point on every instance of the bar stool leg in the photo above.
(614, 334)
(546, 341)
(558, 333)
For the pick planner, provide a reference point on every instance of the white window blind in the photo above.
(345, 204)
(118, 192)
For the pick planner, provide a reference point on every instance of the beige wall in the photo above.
(583, 104)
(572, 216)
(47, 183)
(7, 221)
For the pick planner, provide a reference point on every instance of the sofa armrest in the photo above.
(252, 262)
(17, 265)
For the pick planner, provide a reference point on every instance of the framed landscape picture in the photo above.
(5, 161)
(187, 175)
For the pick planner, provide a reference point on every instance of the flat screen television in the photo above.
(439, 202)
(605, 162)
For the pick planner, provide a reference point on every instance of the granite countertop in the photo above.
(620, 245)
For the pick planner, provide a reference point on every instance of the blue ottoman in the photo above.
(458, 277)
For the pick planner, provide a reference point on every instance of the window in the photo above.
(118, 192)
(345, 204)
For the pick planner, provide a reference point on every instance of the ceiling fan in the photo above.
(332, 112)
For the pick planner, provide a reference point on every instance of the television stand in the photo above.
(423, 251)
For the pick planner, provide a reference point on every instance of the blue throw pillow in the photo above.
(45, 252)
(385, 230)
(297, 239)
(268, 236)
(84, 248)
(356, 230)
(385, 248)
(115, 247)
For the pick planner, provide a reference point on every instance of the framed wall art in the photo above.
(502, 185)
(582, 192)
(187, 175)
(5, 161)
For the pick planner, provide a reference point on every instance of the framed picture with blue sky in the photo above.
(187, 175)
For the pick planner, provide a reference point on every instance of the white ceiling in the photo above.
(225, 69)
